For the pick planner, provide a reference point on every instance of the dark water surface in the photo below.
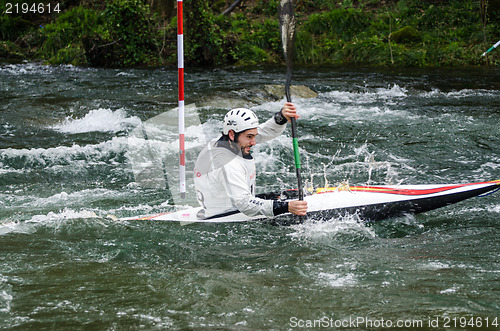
(66, 161)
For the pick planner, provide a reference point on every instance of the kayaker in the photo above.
(224, 173)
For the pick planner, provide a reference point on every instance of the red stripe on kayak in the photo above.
(401, 191)
(146, 218)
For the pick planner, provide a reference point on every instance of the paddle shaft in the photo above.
(492, 48)
(287, 22)
(296, 153)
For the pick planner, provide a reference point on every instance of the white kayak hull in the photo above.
(369, 203)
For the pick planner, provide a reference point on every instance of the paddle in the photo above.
(287, 24)
(491, 48)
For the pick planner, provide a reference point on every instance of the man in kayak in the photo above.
(224, 173)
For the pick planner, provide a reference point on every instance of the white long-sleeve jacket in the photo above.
(225, 180)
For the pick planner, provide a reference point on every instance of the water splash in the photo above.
(349, 227)
(99, 120)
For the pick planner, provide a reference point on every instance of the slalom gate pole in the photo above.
(180, 66)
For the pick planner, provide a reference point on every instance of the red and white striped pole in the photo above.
(180, 65)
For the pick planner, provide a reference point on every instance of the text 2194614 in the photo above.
(33, 8)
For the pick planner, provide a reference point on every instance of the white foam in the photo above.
(338, 280)
(363, 97)
(30, 225)
(5, 294)
(126, 74)
(334, 106)
(436, 265)
(65, 214)
(331, 228)
(63, 198)
(37, 69)
(464, 93)
(394, 92)
(99, 120)
(22, 69)
(46, 157)
(451, 290)
(8, 227)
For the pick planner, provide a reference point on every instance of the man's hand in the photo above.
(289, 111)
(297, 207)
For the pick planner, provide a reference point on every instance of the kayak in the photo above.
(369, 203)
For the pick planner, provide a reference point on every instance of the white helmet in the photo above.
(239, 120)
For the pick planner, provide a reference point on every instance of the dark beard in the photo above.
(244, 154)
(232, 145)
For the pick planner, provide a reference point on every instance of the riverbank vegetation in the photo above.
(125, 33)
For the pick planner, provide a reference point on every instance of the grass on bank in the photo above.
(124, 33)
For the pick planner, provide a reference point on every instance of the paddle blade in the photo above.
(287, 23)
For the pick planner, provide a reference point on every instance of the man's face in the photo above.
(246, 140)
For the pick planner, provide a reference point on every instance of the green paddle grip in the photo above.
(296, 153)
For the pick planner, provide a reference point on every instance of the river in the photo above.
(67, 160)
